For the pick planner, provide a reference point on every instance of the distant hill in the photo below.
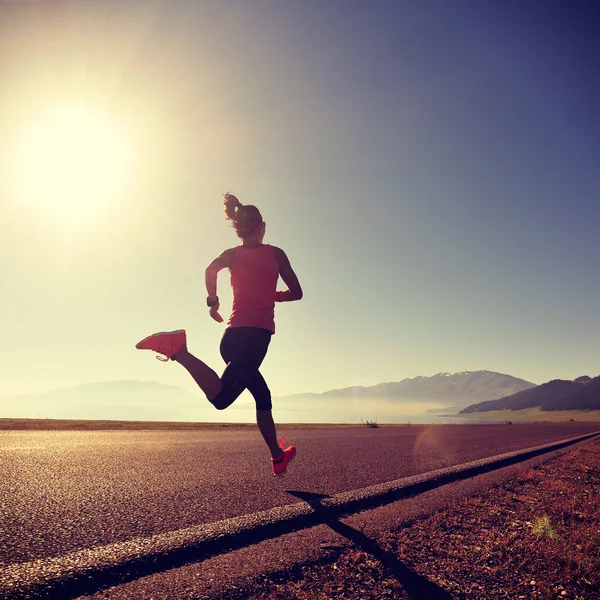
(452, 390)
(581, 394)
(120, 400)
(130, 390)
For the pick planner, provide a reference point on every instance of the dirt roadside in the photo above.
(98, 425)
(534, 536)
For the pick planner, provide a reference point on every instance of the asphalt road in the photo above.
(61, 491)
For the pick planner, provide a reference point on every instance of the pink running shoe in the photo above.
(287, 456)
(166, 343)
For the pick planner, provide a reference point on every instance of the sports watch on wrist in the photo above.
(211, 304)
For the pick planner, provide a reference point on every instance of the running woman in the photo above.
(255, 269)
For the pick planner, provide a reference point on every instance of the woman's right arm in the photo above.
(223, 261)
(294, 291)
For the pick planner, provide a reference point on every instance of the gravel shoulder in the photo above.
(536, 535)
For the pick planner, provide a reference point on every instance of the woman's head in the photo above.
(247, 220)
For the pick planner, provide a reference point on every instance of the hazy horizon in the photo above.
(153, 401)
(197, 409)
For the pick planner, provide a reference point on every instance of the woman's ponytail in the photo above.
(231, 205)
(245, 218)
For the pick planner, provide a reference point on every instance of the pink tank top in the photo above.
(254, 276)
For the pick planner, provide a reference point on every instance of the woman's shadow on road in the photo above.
(415, 585)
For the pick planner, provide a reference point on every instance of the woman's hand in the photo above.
(214, 313)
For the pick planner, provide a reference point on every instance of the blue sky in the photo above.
(430, 169)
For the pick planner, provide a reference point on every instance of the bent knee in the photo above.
(223, 400)
(221, 403)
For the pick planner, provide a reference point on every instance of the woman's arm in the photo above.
(223, 261)
(294, 291)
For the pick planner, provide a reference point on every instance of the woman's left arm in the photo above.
(294, 291)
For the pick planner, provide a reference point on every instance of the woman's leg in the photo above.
(244, 351)
(208, 381)
(257, 386)
(241, 372)
(220, 391)
(266, 426)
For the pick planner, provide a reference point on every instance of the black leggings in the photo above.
(243, 349)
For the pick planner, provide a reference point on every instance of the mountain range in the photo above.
(582, 393)
(152, 401)
(447, 391)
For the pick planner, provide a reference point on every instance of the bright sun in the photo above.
(73, 164)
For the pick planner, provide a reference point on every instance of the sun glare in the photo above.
(73, 165)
